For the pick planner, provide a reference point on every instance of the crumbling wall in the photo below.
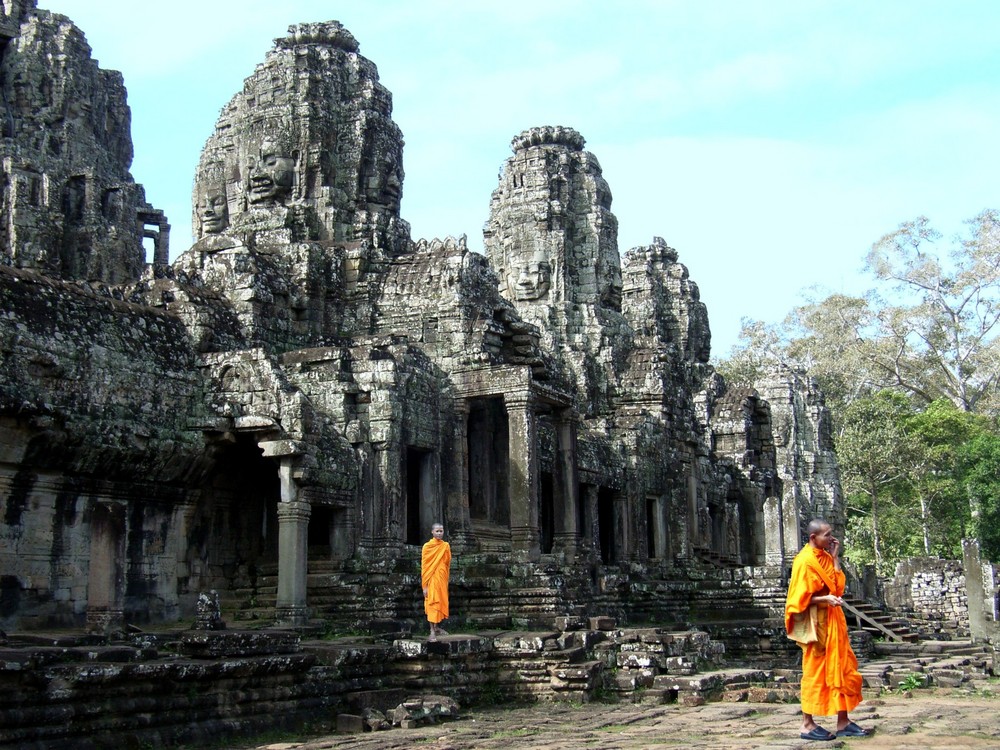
(932, 593)
(98, 396)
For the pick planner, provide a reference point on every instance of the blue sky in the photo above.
(770, 142)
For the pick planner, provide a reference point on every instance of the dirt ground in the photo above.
(939, 719)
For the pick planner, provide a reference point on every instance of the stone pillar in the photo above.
(774, 536)
(387, 502)
(524, 481)
(626, 528)
(293, 541)
(293, 534)
(457, 503)
(732, 544)
(686, 531)
(106, 573)
(659, 529)
(792, 526)
(591, 531)
(982, 627)
(567, 534)
(382, 511)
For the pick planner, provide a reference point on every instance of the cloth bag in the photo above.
(805, 626)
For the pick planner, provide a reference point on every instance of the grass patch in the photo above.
(519, 732)
(617, 728)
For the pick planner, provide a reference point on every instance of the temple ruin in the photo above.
(307, 382)
(272, 421)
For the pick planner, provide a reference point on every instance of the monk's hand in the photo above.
(425, 593)
(834, 548)
(833, 600)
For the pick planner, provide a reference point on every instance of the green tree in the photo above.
(938, 337)
(759, 348)
(876, 454)
(942, 432)
(981, 458)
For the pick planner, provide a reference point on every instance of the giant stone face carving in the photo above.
(271, 175)
(307, 150)
(213, 211)
(530, 278)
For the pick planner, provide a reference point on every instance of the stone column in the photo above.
(567, 534)
(293, 535)
(791, 524)
(591, 532)
(982, 627)
(774, 532)
(382, 529)
(659, 529)
(293, 541)
(457, 501)
(523, 470)
(690, 531)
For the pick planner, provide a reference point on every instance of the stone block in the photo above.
(602, 623)
(213, 644)
(350, 724)
(635, 660)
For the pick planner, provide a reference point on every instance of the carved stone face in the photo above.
(611, 292)
(213, 211)
(271, 177)
(383, 185)
(531, 278)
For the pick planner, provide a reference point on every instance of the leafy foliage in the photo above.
(980, 458)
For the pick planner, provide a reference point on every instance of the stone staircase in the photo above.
(483, 590)
(865, 616)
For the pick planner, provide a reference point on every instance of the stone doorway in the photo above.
(488, 449)
(421, 508)
(607, 525)
(546, 512)
(235, 532)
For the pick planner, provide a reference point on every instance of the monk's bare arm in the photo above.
(831, 599)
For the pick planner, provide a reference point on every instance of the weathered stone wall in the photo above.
(201, 687)
(97, 396)
(931, 592)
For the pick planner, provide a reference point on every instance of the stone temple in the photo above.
(280, 414)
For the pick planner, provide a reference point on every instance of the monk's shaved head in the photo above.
(816, 526)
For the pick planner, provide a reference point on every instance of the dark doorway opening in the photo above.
(546, 513)
(488, 461)
(606, 522)
(320, 525)
(423, 507)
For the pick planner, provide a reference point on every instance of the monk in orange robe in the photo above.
(435, 567)
(831, 683)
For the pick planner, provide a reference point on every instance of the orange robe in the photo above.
(830, 678)
(435, 567)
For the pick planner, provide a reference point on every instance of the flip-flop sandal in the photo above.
(853, 730)
(817, 733)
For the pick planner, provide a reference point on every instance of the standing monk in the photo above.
(831, 683)
(435, 567)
